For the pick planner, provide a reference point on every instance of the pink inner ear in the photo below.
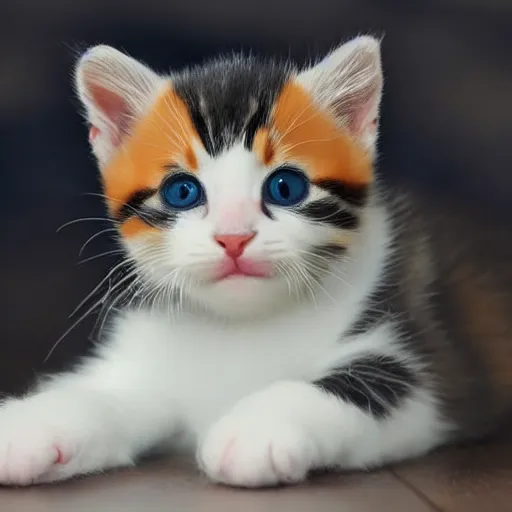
(93, 133)
(361, 123)
(114, 108)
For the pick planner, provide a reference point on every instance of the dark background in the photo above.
(445, 126)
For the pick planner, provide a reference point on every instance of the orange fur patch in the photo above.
(263, 147)
(299, 132)
(307, 135)
(135, 226)
(165, 137)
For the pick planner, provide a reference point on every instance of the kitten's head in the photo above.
(239, 183)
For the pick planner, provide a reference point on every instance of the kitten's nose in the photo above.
(234, 245)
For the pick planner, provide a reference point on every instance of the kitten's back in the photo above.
(453, 276)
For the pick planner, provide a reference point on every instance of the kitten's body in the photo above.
(363, 345)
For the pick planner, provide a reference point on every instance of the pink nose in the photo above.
(234, 245)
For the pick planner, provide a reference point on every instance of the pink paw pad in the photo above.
(224, 461)
(60, 458)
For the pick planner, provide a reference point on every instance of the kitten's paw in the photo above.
(32, 454)
(55, 436)
(244, 451)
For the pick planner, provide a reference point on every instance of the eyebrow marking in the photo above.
(130, 207)
(329, 212)
(355, 195)
(263, 146)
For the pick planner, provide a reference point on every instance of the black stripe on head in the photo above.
(356, 195)
(221, 95)
(329, 212)
(257, 121)
(375, 384)
(201, 126)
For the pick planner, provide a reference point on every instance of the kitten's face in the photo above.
(235, 185)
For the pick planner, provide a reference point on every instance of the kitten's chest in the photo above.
(211, 367)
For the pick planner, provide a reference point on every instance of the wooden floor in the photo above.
(476, 479)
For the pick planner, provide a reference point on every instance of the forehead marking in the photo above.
(164, 137)
(306, 134)
(263, 146)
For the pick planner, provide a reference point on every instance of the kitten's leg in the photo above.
(369, 412)
(101, 416)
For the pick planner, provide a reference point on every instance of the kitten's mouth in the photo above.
(242, 268)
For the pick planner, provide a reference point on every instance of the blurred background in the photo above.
(445, 127)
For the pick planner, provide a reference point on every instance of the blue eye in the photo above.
(285, 187)
(182, 192)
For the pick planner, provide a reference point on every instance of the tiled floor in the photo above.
(458, 480)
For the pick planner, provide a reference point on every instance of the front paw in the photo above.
(31, 451)
(249, 451)
(51, 437)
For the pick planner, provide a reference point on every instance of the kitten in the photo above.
(298, 314)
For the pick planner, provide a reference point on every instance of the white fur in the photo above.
(229, 375)
(237, 392)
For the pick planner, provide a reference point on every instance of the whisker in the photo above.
(101, 255)
(283, 270)
(100, 284)
(93, 237)
(83, 219)
(114, 302)
(325, 269)
(138, 213)
(83, 317)
(288, 148)
(306, 279)
(173, 110)
(293, 126)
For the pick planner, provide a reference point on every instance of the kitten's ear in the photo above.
(348, 82)
(115, 90)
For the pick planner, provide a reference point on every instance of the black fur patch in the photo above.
(230, 99)
(329, 251)
(198, 118)
(375, 384)
(131, 207)
(259, 119)
(330, 212)
(355, 195)
(319, 257)
(375, 312)
(135, 207)
(156, 217)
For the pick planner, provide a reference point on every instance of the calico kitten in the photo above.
(298, 314)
